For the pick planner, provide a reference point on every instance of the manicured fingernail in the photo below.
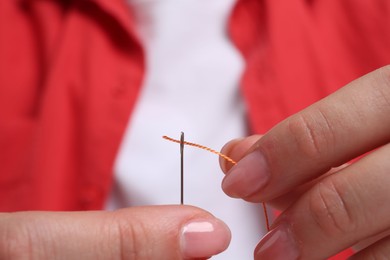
(277, 244)
(201, 239)
(248, 176)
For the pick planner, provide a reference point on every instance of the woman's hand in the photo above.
(159, 232)
(301, 167)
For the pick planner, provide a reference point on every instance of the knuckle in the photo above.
(329, 209)
(132, 240)
(312, 133)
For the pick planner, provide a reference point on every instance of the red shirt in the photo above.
(70, 73)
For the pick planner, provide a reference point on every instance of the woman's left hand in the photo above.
(300, 167)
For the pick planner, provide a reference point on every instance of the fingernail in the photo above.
(249, 175)
(277, 244)
(201, 239)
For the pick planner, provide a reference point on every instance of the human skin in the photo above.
(158, 232)
(301, 167)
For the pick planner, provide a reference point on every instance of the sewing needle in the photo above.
(181, 169)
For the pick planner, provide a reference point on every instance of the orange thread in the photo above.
(227, 158)
(266, 216)
(202, 147)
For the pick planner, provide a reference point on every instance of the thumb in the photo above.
(158, 232)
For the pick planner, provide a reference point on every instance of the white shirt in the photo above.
(191, 85)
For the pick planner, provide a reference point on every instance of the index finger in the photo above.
(348, 123)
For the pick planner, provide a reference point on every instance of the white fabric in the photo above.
(191, 86)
